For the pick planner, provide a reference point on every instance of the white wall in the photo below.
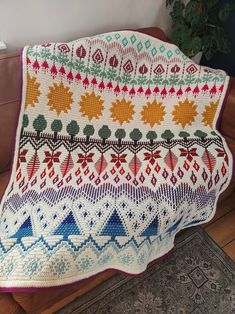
(25, 22)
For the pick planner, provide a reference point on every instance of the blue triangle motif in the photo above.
(114, 226)
(68, 227)
(25, 229)
(174, 227)
(151, 230)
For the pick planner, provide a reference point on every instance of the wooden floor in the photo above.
(222, 227)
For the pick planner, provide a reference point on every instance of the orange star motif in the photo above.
(184, 113)
(153, 113)
(91, 106)
(32, 91)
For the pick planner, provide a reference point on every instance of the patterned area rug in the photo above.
(197, 277)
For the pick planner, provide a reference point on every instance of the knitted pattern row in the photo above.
(116, 151)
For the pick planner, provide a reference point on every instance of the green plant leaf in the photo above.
(177, 11)
(224, 12)
(191, 10)
(209, 47)
(196, 45)
(211, 3)
(169, 2)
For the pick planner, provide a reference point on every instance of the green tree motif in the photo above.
(214, 133)
(39, 124)
(200, 134)
(56, 127)
(151, 135)
(88, 131)
(104, 133)
(120, 134)
(135, 135)
(25, 122)
(72, 129)
(167, 135)
(184, 135)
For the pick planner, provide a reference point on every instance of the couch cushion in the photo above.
(9, 98)
(4, 179)
(227, 125)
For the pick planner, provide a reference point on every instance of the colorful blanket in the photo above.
(116, 151)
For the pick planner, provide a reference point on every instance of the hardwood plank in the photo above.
(223, 208)
(222, 231)
(230, 249)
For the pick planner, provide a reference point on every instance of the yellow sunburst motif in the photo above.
(60, 98)
(184, 113)
(122, 111)
(209, 113)
(152, 113)
(91, 106)
(32, 91)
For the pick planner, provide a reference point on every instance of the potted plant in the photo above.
(198, 26)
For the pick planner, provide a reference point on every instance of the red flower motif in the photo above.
(117, 90)
(36, 65)
(53, 70)
(196, 91)
(63, 48)
(221, 88)
(110, 85)
(45, 65)
(188, 153)
(205, 88)
(70, 76)
(125, 89)
(148, 92)
(118, 159)
(78, 77)
(163, 92)
(81, 52)
(140, 90)
(188, 89)
(143, 69)
(152, 156)
(94, 81)
(156, 90)
(171, 90)
(159, 69)
(179, 92)
(101, 86)
(213, 90)
(132, 92)
(97, 56)
(62, 70)
(85, 82)
(113, 61)
(84, 159)
(128, 67)
(175, 69)
(51, 157)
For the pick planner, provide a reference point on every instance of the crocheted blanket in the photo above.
(116, 151)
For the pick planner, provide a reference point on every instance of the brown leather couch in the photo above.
(49, 301)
